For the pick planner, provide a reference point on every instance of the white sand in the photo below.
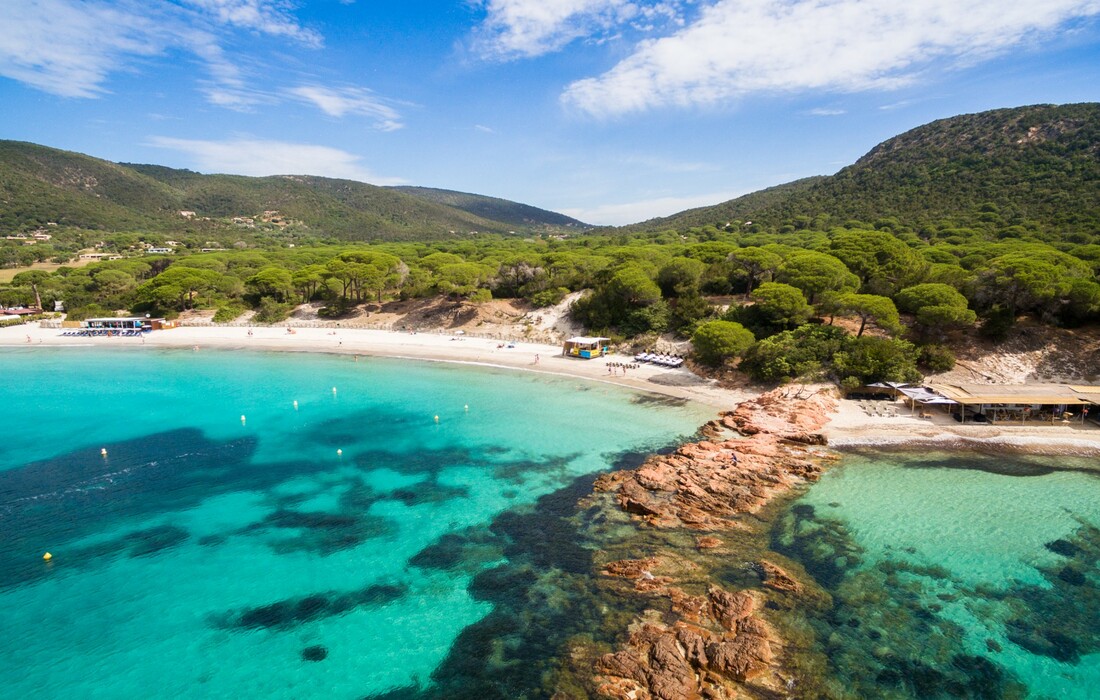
(849, 426)
(678, 383)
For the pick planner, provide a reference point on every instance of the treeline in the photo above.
(913, 287)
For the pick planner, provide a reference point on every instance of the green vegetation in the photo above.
(778, 293)
(717, 341)
(41, 185)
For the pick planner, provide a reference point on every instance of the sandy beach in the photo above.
(429, 346)
(849, 426)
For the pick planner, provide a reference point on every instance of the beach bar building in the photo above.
(1020, 403)
(117, 324)
(586, 347)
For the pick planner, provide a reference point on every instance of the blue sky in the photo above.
(612, 111)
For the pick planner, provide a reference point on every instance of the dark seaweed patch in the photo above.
(1063, 547)
(285, 614)
(320, 532)
(428, 492)
(314, 653)
(658, 400)
(144, 543)
(1072, 576)
(138, 543)
(469, 551)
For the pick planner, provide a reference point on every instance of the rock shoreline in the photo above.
(701, 640)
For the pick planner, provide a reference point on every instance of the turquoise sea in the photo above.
(235, 544)
(953, 575)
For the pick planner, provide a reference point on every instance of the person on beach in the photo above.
(249, 332)
(536, 358)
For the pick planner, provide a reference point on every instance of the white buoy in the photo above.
(103, 452)
(437, 419)
(242, 420)
(466, 408)
(295, 405)
(334, 391)
(339, 452)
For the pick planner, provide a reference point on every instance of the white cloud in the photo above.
(339, 102)
(526, 28)
(260, 157)
(634, 212)
(271, 17)
(736, 47)
(484, 129)
(826, 112)
(71, 47)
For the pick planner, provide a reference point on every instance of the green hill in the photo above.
(1036, 164)
(39, 185)
(494, 208)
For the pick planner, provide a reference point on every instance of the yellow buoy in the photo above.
(47, 556)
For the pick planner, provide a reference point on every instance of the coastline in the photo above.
(421, 346)
(847, 427)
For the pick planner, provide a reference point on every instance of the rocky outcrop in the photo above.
(706, 658)
(703, 485)
(716, 645)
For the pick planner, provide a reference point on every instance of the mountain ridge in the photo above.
(41, 185)
(1037, 163)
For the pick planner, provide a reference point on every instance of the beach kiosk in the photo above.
(116, 324)
(586, 347)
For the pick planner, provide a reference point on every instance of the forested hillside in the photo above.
(817, 295)
(1036, 167)
(496, 209)
(40, 185)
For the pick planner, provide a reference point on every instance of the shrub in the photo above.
(936, 358)
(271, 311)
(549, 297)
(714, 342)
(228, 312)
(480, 296)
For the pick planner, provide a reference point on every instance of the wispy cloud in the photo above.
(271, 17)
(634, 212)
(68, 48)
(826, 112)
(72, 47)
(259, 157)
(338, 102)
(737, 47)
(525, 28)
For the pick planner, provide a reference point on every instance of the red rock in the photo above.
(670, 677)
(707, 542)
(728, 608)
(623, 664)
(778, 579)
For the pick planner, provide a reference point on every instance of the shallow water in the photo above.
(232, 544)
(953, 576)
